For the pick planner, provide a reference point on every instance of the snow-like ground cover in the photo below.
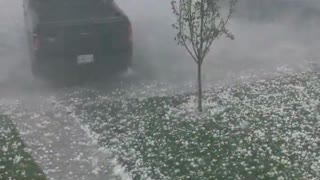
(267, 129)
(56, 141)
(15, 161)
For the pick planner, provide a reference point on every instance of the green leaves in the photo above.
(199, 23)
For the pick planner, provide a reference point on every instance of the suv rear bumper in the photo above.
(67, 66)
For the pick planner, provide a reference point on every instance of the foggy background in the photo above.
(268, 34)
(11, 37)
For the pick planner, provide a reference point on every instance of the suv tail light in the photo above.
(35, 41)
(130, 33)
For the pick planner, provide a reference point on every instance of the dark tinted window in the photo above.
(72, 9)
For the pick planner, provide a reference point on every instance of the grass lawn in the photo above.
(263, 130)
(15, 162)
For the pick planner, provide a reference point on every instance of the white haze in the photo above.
(259, 46)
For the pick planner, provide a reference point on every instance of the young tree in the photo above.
(199, 23)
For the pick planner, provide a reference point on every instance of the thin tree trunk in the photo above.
(199, 88)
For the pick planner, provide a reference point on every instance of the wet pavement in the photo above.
(57, 141)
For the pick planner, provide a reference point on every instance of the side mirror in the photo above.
(35, 4)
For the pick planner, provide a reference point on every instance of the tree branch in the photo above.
(221, 28)
(191, 29)
(200, 52)
(181, 34)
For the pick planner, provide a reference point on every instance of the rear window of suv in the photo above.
(56, 10)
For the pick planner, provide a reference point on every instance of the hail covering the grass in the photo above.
(257, 130)
(264, 129)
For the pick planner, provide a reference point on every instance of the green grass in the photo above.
(263, 130)
(15, 162)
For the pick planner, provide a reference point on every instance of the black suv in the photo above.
(71, 36)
